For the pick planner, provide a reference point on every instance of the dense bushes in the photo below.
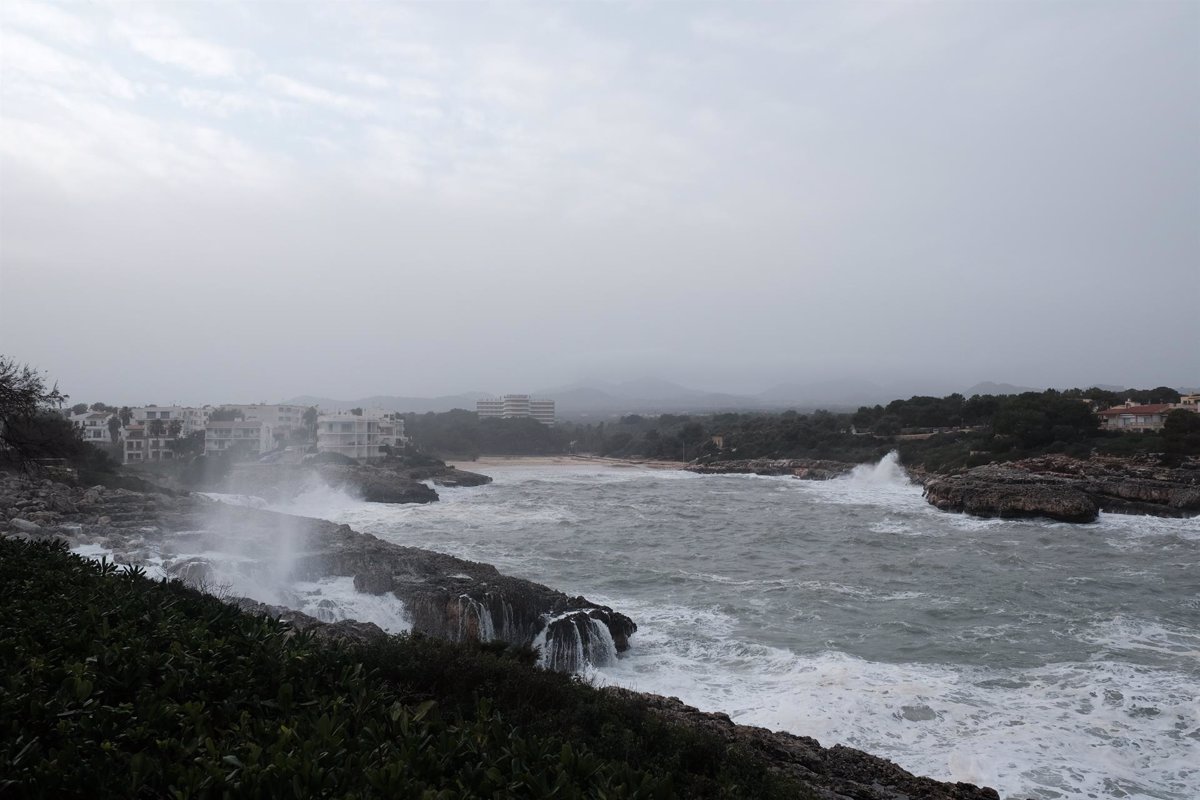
(118, 686)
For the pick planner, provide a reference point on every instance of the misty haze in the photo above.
(622, 400)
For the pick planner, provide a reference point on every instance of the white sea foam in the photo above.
(335, 598)
(246, 500)
(1065, 730)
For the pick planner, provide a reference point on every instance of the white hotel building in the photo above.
(514, 406)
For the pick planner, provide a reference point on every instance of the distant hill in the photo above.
(642, 396)
(988, 387)
(418, 405)
(843, 393)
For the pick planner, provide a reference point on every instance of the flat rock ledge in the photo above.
(1070, 490)
(212, 545)
(806, 468)
(834, 773)
(385, 482)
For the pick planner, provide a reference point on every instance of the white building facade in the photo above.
(367, 435)
(516, 406)
(283, 419)
(250, 437)
(191, 419)
(93, 427)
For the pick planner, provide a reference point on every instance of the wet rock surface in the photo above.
(388, 481)
(806, 468)
(444, 596)
(1070, 489)
(835, 773)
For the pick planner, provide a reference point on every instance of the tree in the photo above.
(310, 421)
(175, 428)
(126, 414)
(24, 400)
(114, 428)
(156, 427)
(79, 408)
(1181, 432)
(101, 407)
(226, 415)
(192, 444)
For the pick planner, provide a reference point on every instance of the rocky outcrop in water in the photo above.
(217, 546)
(834, 773)
(392, 480)
(1070, 489)
(806, 468)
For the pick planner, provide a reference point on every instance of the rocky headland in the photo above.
(1070, 489)
(1055, 487)
(226, 548)
(387, 481)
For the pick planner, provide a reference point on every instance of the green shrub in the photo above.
(115, 685)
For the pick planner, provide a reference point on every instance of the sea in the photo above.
(1046, 660)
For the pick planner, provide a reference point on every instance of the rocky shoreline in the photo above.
(389, 481)
(445, 597)
(812, 469)
(1070, 489)
(222, 547)
(1060, 488)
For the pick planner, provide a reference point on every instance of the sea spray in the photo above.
(886, 472)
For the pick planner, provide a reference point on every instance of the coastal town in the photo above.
(155, 433)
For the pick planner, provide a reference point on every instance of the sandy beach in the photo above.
(550, 461)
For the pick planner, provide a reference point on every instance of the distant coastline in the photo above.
(563, 460)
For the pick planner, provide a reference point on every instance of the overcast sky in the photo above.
(206, 202)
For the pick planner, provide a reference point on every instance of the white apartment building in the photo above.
(283, 419)
(513, 406)
(359, 435)
(141, 446)
(191, 419)
(93, 427)
(251, 437)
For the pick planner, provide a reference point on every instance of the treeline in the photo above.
(938, 433)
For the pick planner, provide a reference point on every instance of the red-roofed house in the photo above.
(1130, 417)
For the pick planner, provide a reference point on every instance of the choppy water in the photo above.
(1046, 660)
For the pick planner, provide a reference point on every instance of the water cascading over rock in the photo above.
(571, 641)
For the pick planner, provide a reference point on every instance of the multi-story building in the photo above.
(281, 418)
(93, 427)
(363, 435)
(250, 437)
(514, 406)
(191, 419)
(141, 445)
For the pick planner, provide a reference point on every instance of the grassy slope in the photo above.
(115, 685)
